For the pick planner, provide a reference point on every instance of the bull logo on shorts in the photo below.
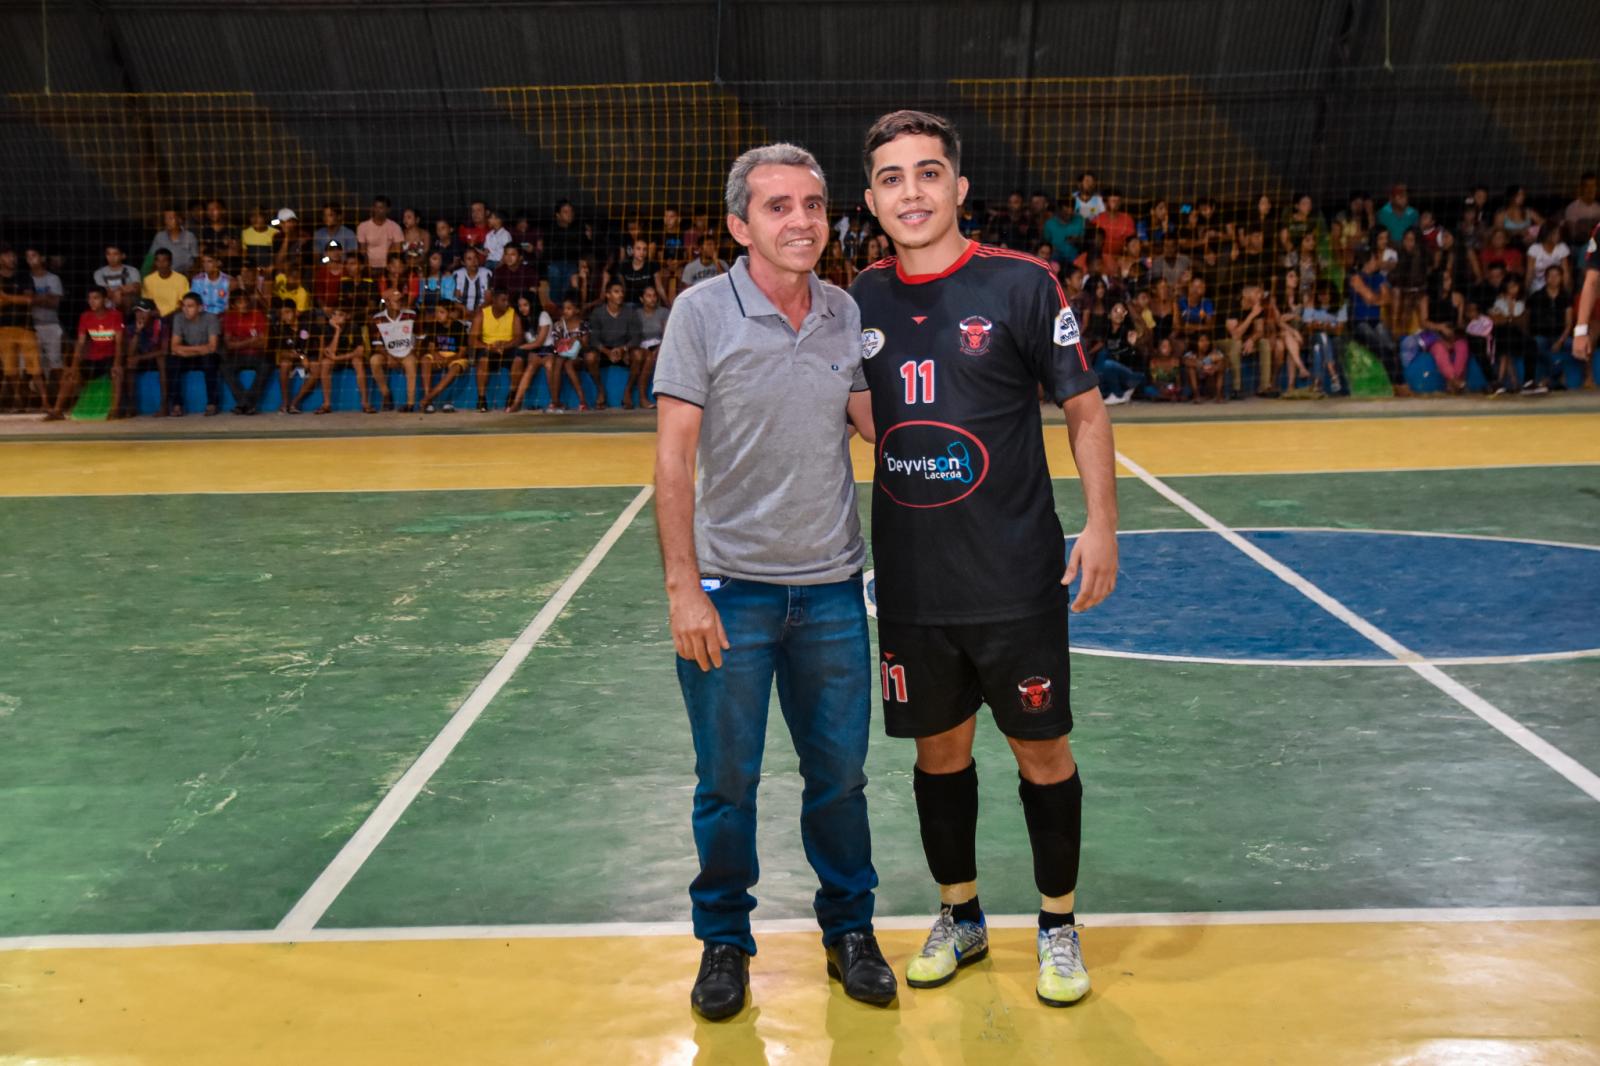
(975, 334)
(1034, 694)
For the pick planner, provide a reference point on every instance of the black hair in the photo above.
(905, 123)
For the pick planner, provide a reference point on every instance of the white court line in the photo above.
(1385, 532)
(1537, 746)
(313, 492)
(1153, 919)
(332, 881)
(1381, 469)
(1387, 664)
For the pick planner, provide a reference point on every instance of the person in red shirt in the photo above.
(1114, 226)
(472, 232)
(94, 356)
(244, 340)
(325, 281)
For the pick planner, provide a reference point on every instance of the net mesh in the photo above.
(88, 169)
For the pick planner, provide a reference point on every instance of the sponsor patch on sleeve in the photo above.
(1066, 331)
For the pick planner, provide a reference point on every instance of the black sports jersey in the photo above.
(964, 526)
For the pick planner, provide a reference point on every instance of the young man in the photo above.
(515, 275)
(196, 340)
(1113, 226)
(346, 346)
(614, 336)
(183, 245)
(379, 237)
(19, 348)
(94, 356)
(146, 341)
(472, 232)
(332, 231)
(763, 557)
(164, 286)
(212, 286)
(972, 600)
(120, 279)
(218, 238)
(1086, 201)
(244, 337)
(47, 294)
(444, 346)
(1550, 320)
(473, 282)
(297, 346)
(496, 332)
(707, 265)
(392, 340)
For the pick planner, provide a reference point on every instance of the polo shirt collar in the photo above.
(753, 302)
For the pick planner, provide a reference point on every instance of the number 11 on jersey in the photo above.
(894, 683)
(915, 374)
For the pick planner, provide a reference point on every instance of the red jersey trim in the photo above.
(923, 279)
(882, 264)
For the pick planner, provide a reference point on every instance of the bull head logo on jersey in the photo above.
(1034, 694)
(975, 334)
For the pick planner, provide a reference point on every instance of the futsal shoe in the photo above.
(854, 959)
(950, 946)
(719, 990)
(1062, 979)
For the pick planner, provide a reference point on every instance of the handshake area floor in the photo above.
(364, 748)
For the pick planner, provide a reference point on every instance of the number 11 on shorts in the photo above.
(894, 683)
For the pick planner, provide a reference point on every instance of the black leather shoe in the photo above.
(858, 964)
(719, 990)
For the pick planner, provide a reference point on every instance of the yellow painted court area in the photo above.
(1418, 994)
(549, 460)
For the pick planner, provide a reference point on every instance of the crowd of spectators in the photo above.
(1175, 299)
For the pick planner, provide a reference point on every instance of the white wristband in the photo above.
(1581, 329)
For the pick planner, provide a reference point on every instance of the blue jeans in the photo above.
(558, 275)
(813, 638)
(1115, 378)
(1324, 361)
(1552, 361)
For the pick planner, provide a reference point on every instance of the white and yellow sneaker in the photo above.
(1062, 979)
(950, 946)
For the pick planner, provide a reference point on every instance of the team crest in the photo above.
(1034, 694)
(1066, 328)
(975, 335)
(871, 342)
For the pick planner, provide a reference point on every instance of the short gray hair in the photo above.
(737, 195)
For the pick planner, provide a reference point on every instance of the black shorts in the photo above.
(934, 677)
(94, 369)
(495, 360)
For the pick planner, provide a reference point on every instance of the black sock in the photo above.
(967, 912)
(1055, 825)
(1049, 920)
(947, 811)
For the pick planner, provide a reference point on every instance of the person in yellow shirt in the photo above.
(164, 285)
(287, 285)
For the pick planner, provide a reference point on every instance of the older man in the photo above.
(760, 369)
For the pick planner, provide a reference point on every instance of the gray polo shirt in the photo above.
(775, 496)
(196, 331)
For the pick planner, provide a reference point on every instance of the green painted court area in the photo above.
(202, 697)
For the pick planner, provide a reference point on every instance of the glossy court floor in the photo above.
(369, 750)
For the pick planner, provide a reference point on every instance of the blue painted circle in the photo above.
(1191, 594)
